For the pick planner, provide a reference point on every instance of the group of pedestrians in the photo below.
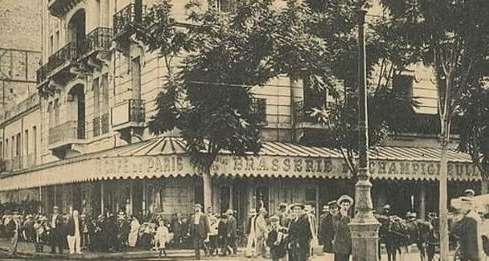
(294, 233)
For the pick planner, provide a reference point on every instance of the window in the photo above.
(18, 145)
(313, 98)
(403, 85)
(56, 112)
(5, 154)
(96, 107)
(51, 45)
(1, 150)
(226, 6)
(34, 141)
(136, 77)
(26, 142)
(50, 115)
(56, 43)
(104, 105)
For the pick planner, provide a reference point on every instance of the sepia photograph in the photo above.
(235, 130)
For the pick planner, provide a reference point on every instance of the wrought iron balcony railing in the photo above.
(66, 54)
(42, 73)
(302, 112)
(99, 39)
(67, 132)
(125, 18)
(259, 109)
(131, 111)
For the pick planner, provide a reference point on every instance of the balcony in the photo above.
(128, 118)
(97, 44)
(125, 22)
(259, 110)
(66, 137)
(59, 8)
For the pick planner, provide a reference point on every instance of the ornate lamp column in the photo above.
(364, 227)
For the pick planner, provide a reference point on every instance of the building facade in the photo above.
(84, 144)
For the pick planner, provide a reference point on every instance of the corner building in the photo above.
(96, 92)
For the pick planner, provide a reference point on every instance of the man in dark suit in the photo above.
(233, 227)
(342, 243)
(299, 234)
(326, 226)
(57, 239)
(13, 227)
(468, 233)
(198, 229)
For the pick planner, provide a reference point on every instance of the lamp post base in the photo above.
(365, 240)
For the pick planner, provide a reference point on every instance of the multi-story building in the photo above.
(93, 152)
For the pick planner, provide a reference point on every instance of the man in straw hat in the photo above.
(342, 240)
(300, 234)
(199, 229)
(467, 230)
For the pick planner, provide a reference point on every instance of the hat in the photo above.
(282, 205)
(55, 207)
(332, 203)
(325, 207)
(345, 198)
(297, 205)
(469, 192)
(411, 215)
(387, 206)
(252, 211)
(198, 206)
(229, 212)
(274, 219)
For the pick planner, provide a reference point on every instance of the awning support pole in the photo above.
(102, 208)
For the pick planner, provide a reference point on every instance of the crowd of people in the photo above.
(293, 232)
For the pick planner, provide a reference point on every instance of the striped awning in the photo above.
(167, 157)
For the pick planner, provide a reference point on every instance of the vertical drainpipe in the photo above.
(293, 85)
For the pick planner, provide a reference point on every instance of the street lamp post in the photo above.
(364, 227)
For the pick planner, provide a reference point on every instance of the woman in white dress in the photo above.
(161, 238)
(133, 234)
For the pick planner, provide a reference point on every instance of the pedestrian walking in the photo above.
(213, 247)
(276, 239)
(13, 226)
(250, 231)
(57, 240)
(178, 229)
(342, 244)
(326, 226)
(74, 233)
(223, 233)
(260, 232)
(299, 234)
(283, 215)
(198, 229)
(42, 231)
(162, 237)
(134, 231)
(467, 230)
(233, 231)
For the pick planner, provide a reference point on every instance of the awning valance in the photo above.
(166, 157)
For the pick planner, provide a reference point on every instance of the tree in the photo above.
(453, 38)
(389, 111)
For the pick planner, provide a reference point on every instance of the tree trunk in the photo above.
(443, 208)
(207, 182)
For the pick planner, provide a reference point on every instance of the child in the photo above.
(161, 237)
(276, 239)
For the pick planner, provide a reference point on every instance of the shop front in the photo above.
(157, 176)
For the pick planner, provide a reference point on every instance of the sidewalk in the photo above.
(27, 251)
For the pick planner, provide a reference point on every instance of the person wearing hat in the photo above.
(250, 231)
(342, 244)
(276, 239)
(326, 227)
(198, 229)
(57, 239)
(260, 232)
(386, 210)
(467, 230)
(300, 234)
(469, 193)
(74, 233)
(13, 226)
(283, 215)
(233, 230)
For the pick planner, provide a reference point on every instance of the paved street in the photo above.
(26, 251)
